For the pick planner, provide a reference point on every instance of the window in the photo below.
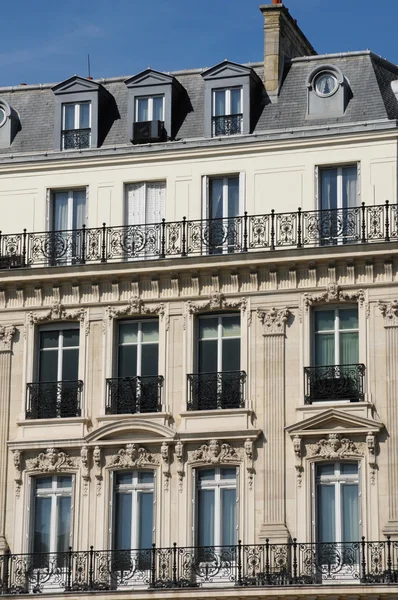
(223, 201)
(219, 382)
(336, 336)
(57, 390)
(69, 210)
(149, 108)
(51, 516)
(133, 510)
(341, 224)
(227, 111)
(137, 386)
(76, 125)
(145, 203)
(216, 519)
(337, 503)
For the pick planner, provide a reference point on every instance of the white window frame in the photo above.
(227, 91)
(70, 206)
(146, 220)
(134, 489)
(150, 106)
(336, 331)
(219, 337)
(54, 492)
(339, 168)
(77, 114)
(139, 342)
(217, 485)
(206, 192)
(60, 328)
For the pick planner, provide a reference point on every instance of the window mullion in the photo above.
(139, 350)
(53, 522)
(217, 515)
(77, 116)
(336, 337)
(60, 354)
(134, 519)
(219, 345)
(339, 187)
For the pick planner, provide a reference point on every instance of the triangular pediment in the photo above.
(226, 69)
(334, 421)
(149, 77)
(75, 85)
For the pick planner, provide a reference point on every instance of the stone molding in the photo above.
(179, 456)
(136, 457)
(389, 310)
(273, 320)
(7, 333)
(333, 293)
(136, 306)
(58, 312)
(216, 301)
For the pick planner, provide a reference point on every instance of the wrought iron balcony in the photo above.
(212, 391)
(54, 399)
(336, 382)
(227, 125)
(129, 395)
(263, 565)
(75, 139)
(256, 233)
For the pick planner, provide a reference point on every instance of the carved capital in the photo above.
(7, 333)
(389, 310)
(273, 320)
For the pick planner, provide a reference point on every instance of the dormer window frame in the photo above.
(150, 99)
(9, 124)
(331, 104)
(77, 126)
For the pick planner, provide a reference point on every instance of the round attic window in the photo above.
(3, 116)
(325, 84)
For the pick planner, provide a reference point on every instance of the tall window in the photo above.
(76, 125)
(224, 197)
(339, 187)
(216, 507)
(138, 344)
(69, 209)
(145, 202)
(337, 502)
(227, 111)
(149, 108)
(219, 343)
(336, 336)
(52, 506)
(133, 510)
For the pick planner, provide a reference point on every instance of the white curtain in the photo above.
(61, 204)
(349, 176)
(329, 189)
(79, 209)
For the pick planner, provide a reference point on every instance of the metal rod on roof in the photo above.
(88, 66)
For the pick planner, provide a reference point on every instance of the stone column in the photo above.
(390, 314)
(274, 324)
(6, 335)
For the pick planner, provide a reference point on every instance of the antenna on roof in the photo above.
(88, 67)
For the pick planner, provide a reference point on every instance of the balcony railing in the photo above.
(54, 399)
(293, 564)
(336, 382)
(212, 391)
(227, 125)
(273, 231)
(75, 139)
(134, 395)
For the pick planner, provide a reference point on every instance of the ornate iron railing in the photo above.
(273, 231)
(134, 395)
(212, 391)
(227, 124)
(75, 139)
(293, 564)
(54, 399)
(335, 382)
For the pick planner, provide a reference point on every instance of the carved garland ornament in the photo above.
(333, 293)
(133, 456)
(58, 312)
(216, 301)
(136, 306)
(7, 333)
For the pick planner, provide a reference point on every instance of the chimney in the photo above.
(283, 39)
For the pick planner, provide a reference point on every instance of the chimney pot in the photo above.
(277, 1)
(22, 84)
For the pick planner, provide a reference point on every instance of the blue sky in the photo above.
(48, 40)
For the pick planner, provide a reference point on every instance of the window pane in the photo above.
(236, 105)
(348, 318)
(64, 481)
(231, 326)
(233, 196)
(69, 116)
(208, 356)
(205, 518)
(123, 478)
(219, 103)
(208, 328)
(48, 368)
(44, 483)
(350, 198)
(158, 108)
(324, 320)
(128, 333)
(325, 469)
(84, 115)
(71, 337)
(41, 535)
(79, 209)
(145, 477)
(61, 211)
(127, 361)
(142, 109)
(150, 360)
(229, 473)
(123, 521)
(324, 349)
(228, 507)
(150, 331)
(349, 352)
(49, 339)
(63, 525)
(206, 475)
(326, 513)
(70, 365)
(349, 468)
(216, 199)
(329, 188)
(145, 519)
(350, 513)
(231, 354)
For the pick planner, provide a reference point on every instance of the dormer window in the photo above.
(227, 111)
(76, 125)
(327, 93)
(149, 108)
(9, 124)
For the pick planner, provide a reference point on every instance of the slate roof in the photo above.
(369, 77)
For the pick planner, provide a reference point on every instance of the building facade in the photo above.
(199, 329)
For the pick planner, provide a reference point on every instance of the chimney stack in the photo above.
(283, 40)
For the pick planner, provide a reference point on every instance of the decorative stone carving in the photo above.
(334, 446)
(165, 455)
(179, 455)
(52, 461)
(98, 468)
(215, 301)
(371, 446)
(215, 453)
(7, 333)
(333, 293)
(389, 310)
(132, 456)
(248, 448)
(17, 460)
(136, 306)
(297, 447)
(85, 469)
(273, 320)
(57, 312)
